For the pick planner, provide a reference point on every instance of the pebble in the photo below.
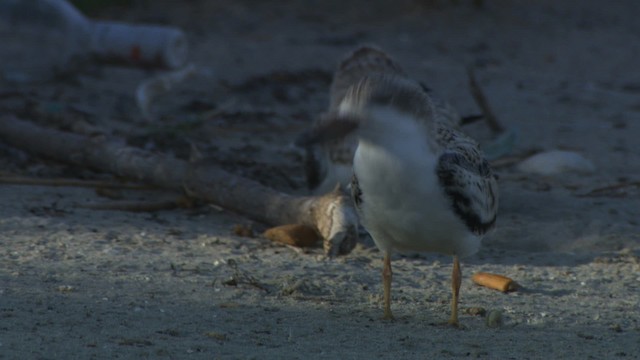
(494, 319)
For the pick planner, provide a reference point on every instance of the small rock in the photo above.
(243, 230)
(216, 335)
(476, 311)
(65, 288)
(494, 319)
(616, 327)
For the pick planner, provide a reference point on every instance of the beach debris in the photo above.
(216, 335)
(106, 40)
(134, 342)
(616, 327)
(66, 288)
(505, 139)
(150, 89)
(293, 234)
(228, 305)
(332, 215)
(495, 281)
(169, 331)
(494, 319)
(59, 182)
(482, 101)
(136, 206)
(243, 277)
(476, 311)
(243, 230)
(557, 162)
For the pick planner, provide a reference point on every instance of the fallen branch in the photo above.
(58, 182)
(133, 206)
(332, 215)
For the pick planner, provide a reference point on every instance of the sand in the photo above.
(77, 283)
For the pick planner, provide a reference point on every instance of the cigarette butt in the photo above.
(293, 234)
(495, 281)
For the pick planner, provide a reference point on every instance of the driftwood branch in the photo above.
(332, 215)
(134, 206)
(21, 180)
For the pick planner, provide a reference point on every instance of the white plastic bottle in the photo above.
(58, 22)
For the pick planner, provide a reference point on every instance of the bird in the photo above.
(417, 181)
(329, 163)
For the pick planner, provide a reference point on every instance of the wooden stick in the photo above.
(331, 215)
(495, 281)
(483, 103)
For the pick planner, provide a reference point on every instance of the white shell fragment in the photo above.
(557, 162)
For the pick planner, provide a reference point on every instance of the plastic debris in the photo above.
(109, 40)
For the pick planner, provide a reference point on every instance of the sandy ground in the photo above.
(77, 283)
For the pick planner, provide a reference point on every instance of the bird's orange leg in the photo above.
(456, 279)
(386, 283)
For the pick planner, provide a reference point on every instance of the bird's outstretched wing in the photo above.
(366, 76)
(322, 159)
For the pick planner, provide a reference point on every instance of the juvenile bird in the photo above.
(330, 162)
(418, 182)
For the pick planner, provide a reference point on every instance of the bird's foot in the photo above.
(388, 316)
(454, 323)
(448, 324)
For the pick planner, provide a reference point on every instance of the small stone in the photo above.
(65, 288)
(243, 230)
(476, 311)
(616, 327)
(494, 319)
(216, 335)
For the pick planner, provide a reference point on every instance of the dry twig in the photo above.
(483, 103)
(622, 189)
(332, 215)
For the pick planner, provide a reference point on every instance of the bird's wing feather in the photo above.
(364, 61)
(321, 156)
(468, 181)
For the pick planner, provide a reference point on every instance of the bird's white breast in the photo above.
(404, 206)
